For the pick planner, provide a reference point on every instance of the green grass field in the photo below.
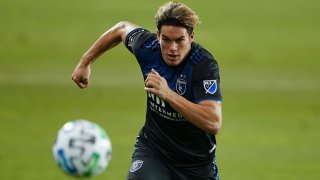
(268, 53)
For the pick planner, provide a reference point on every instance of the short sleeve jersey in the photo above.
(196, 79)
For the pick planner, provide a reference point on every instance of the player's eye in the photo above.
(165, 39)
(180, 40)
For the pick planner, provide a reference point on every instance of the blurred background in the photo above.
(268, 52)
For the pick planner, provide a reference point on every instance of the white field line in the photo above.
(252, 83)
(61, 80)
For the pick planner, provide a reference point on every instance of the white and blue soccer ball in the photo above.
(82, 148)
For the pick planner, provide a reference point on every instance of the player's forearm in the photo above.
(108, 40)
(206, 115)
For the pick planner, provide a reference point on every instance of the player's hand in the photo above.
(157, 85)
(81, 75)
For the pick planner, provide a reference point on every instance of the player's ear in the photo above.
(191, 36)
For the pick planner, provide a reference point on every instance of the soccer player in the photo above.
(182, 85)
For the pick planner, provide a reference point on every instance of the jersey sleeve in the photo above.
(136, 38)
(206, 81)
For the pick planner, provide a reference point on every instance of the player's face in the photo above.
(175, 43)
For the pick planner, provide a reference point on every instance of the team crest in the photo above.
(210, 86)
(181, 86)
(136, 165)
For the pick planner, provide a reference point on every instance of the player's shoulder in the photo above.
(141, 38)
(203, 62)
(199, 55)
(151, 42)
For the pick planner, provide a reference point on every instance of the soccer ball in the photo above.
(82, 148)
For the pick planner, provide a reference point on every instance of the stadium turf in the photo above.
(268, 54)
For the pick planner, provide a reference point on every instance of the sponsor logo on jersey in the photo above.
(210, 86)
(181, 86)
(136, 165)
(158, 106)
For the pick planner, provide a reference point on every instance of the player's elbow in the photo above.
(214, 126)
(212, 119)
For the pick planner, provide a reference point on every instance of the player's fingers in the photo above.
(151, 90)
(149, 77)
(82, 86)
(82, 83)
(149, 83)
(154, 72)
(147, 89)
(153, 76)
(79, 84)
(152, 80)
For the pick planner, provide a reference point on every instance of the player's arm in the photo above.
(108, 40)
(206, 115)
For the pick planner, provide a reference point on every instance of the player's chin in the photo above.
(172, 61)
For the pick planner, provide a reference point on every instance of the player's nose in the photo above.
(173, 46)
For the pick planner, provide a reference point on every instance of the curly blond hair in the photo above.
(176, 14)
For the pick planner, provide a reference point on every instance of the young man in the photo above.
(184, 101)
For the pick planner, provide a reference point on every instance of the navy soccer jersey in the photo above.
(196, 79)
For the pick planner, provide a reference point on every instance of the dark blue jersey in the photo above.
(196, 79)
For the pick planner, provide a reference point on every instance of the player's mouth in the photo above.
(172, 57)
